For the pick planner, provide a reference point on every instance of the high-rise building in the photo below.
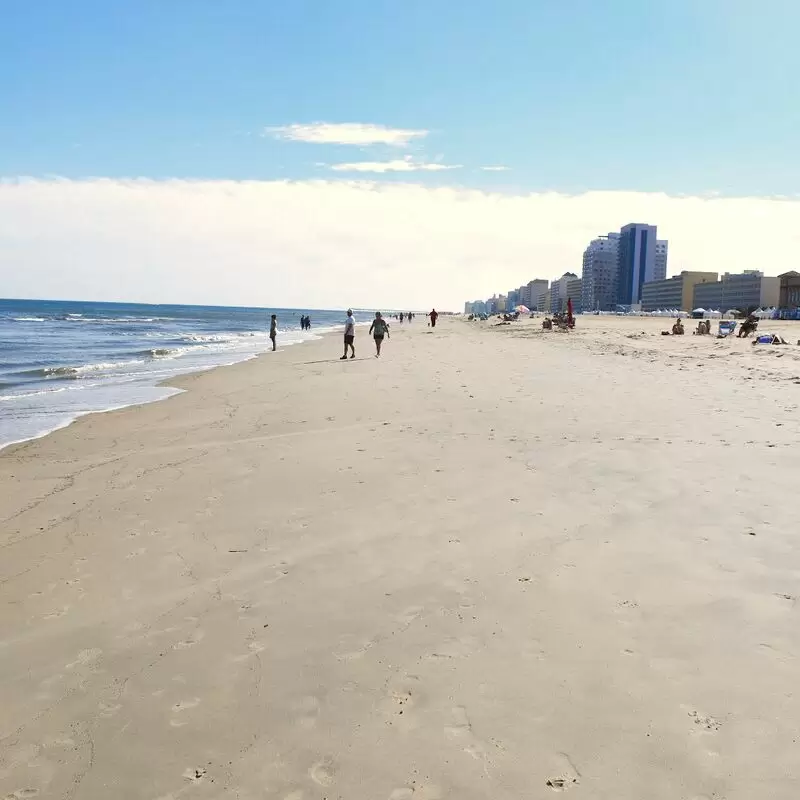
(544, 301)
(662, 251)
(558, 292)
(636, 261)
(599, 283)
(575, 293)
(536, 288)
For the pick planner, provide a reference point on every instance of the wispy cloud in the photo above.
(352, 133)
(498, 168)
(406, 164)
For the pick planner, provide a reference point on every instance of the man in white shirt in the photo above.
(349, 336)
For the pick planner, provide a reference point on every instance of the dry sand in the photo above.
(497, 563)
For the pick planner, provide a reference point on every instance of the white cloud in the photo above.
(353, 133)
(335, 243)
(406, 164)
(498, 168)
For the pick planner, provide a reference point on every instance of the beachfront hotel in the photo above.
(636, 262)
(676, 292)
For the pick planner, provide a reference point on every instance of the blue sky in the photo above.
(690, 96)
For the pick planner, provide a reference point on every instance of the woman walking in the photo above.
(379, 329)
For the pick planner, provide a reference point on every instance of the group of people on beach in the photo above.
(379, 329)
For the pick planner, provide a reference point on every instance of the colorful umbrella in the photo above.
(522, 309)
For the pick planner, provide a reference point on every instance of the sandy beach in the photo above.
(496, 563)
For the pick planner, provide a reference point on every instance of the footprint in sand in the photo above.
(402, 697)
(85, 657)
(190, 641)
(106, 711)
(323, 773)
(452, 648)
(307, 710)
(56, 614)
(194, 774)
(416, 791)
(185, 705)
(352, 648)
(566, 777)
(460, 729)
(705, 724)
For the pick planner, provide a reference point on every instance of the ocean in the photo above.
(60, 360)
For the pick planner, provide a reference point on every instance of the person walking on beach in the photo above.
(349, 335)
(273, 330)
(434, 316)
(379, 329)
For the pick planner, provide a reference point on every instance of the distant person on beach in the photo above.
(379, 329)
(349, 336)
(402, 317)
(273, 330)
(308, 323)
(434, 316)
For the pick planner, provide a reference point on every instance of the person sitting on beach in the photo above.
(547, 324)
(677, 328)
(379, 329)
(748, 326)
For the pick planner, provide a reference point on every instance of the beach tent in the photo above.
(697, 313)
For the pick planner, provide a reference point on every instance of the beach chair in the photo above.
(726, 328)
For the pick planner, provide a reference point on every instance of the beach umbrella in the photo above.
(522, 309)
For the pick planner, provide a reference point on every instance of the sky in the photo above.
(405, 153)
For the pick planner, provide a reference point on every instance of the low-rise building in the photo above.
(536, 287)
(674, 293)
(789, 291)
(740, 291)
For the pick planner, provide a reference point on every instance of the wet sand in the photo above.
(496, 563)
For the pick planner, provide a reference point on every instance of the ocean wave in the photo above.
(160, 352)
(206, 338)
(23, 395)
(73, 372)
(113, 320)
(29, 319)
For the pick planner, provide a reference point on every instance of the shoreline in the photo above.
(168, 383)
(492, 563)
